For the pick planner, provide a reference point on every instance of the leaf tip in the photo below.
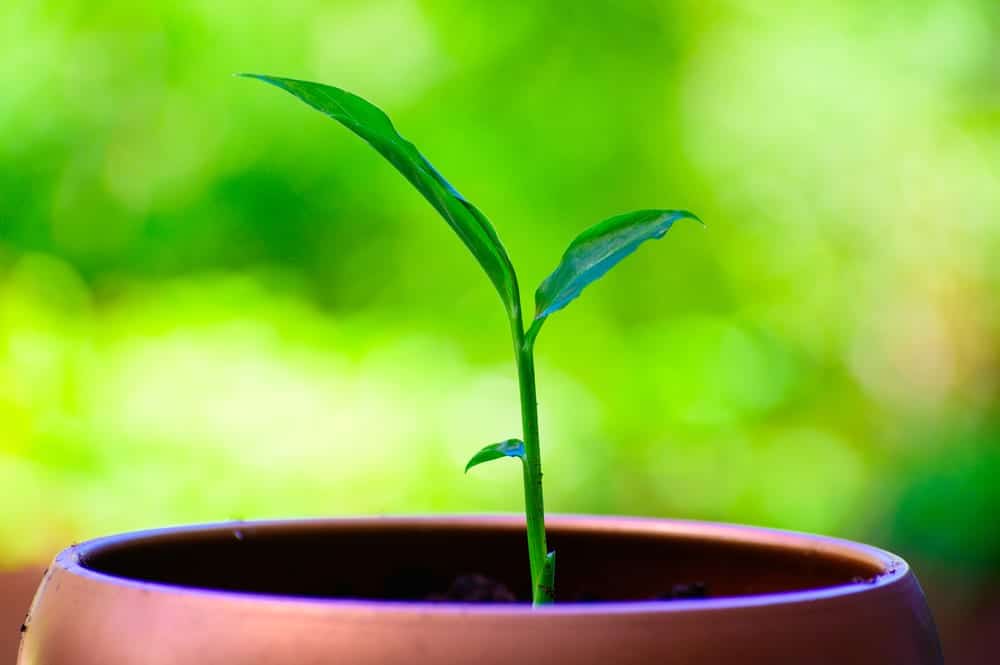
(691, 215)
(265, 78)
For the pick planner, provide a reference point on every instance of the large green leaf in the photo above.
(508, 448)
(596, 251)
(374, 126)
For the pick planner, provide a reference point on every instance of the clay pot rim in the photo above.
(892, 570)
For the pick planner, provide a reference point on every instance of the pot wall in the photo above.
(130, 599)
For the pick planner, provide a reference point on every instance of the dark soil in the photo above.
(477, 588)
(474, 588)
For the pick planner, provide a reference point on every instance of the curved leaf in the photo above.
(597, 250)
(374, 126)
(508, 448)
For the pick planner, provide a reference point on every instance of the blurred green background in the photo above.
(215, 303)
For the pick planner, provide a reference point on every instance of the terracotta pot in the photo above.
(311, 592)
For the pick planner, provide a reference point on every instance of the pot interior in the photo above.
(417, 559)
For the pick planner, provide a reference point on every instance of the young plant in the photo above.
(589, 256)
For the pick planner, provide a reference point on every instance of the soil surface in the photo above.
(479, 588)
(474, 588)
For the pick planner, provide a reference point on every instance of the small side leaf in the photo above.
(545, 587)
(374, 126)
(597, 250)
(508, 448)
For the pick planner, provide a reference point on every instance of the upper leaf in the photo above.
(508, 448)
(596, 251)
(374, 126)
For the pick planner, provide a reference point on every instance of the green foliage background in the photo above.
(217, 304)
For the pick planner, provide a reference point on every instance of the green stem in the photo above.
(534, 506)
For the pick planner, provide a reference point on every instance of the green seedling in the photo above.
(592, 254)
